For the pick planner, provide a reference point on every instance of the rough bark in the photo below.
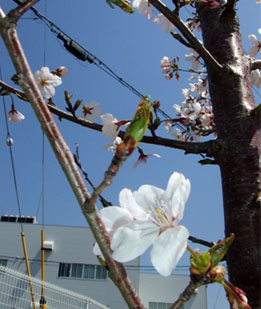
(238, 128)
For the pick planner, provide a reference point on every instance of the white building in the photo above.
(70, 264)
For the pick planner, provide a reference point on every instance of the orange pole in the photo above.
(42, 301)
(28, 270)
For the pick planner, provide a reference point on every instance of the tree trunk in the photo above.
(238, 129)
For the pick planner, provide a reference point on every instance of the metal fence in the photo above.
(15, 293)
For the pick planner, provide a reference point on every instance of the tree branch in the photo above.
(196, 45)
(16, 13)
(209, 148)
(186, 294)
(64, 156)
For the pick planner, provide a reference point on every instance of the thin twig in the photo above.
(77, 160)
(201, 241)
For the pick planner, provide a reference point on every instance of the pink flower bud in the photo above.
(61, 71)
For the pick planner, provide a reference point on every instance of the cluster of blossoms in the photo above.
(149, 217)
(194, 114)
(170, 68)
(144, 7)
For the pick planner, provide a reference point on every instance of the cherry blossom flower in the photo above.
(143, 157)
(188, 109)
(165, 64)
(258, 1)
(112, 146)
(14, 115)
(193, 57)
(148, 217)
(143, 7)
(255, 78)
(46, 82)
(256, 44)
(166, 24)
(110, 126)
(200, 88)
(91, 111)
(156, 214)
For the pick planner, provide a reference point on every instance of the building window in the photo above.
(159, 305)
(85, 271)
(3, 262)
(101, 272)
(64, 270)
(88, 271)
(76, 270)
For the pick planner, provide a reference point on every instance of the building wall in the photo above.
(74, 245)
(71, 245)
(159, 289)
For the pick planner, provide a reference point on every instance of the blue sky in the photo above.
(132, 47)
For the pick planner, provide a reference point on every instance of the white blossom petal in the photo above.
(110, 128)
(15, 116)
(166, 24)
(91, 111)
(114, 217)
(112, 146)
(168, 249)
(253, 39)
(147, 195)
(132, 240)
(253, 51)
(127, 200)
(143, 7)
(177, 193)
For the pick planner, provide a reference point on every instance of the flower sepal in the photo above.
(218, 251)
(200, 262)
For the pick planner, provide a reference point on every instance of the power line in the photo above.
(83, 54)
(9, 142)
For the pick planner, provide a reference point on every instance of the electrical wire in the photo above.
(83, 54)
(9, 142)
